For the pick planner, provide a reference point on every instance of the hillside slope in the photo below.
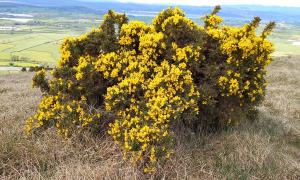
(268, 148)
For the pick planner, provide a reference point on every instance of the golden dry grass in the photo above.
(269, 148)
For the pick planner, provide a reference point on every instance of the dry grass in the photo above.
(269, 148)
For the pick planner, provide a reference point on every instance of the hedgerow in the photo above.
(138, 82)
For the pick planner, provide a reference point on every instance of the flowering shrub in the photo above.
(138, 81)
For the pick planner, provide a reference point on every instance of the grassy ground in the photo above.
(269, 148)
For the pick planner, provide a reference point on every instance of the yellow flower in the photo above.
(234, 86)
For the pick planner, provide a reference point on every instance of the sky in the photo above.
(290, 3)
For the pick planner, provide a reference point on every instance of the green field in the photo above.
(42, 48)
(283, 37)
(31, 48)
(37, 42)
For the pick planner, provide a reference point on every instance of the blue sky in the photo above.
(290, 3)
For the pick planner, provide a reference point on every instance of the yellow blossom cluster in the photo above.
(162, 16)
(243, 57)
(57, 111)
(39, 80)
(247, 55)
(132, 32)
(138, 81)
(143, 122)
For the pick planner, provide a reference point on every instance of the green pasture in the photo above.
(39, 45)
(19, 63)
(8, 72)
(36, 47)
(38, 42)
(283, 38)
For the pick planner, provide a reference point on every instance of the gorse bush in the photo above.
(140, 82)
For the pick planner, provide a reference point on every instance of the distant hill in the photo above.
(239, 13)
